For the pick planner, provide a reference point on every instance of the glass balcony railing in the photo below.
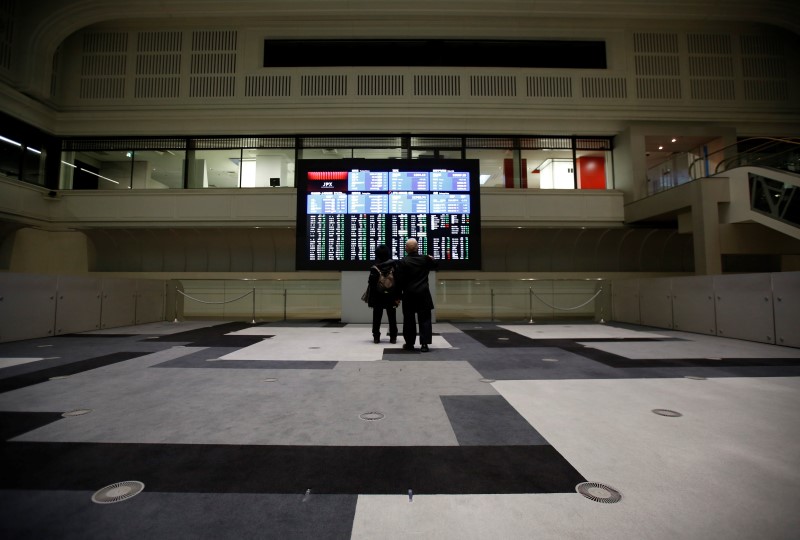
(511, 300)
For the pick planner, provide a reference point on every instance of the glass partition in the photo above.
(497, 166)
(33, 166)
(96, 170)
(522, 300)
(259, 300)
(267, 167)
(509, 300)
(218, 169)
(548, 169)
(557, 162)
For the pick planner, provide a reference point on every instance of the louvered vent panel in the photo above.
(380, 85)
(268, 86)
(711, 70)
(172, 143)
(715, 44)
(351, 142)
(159, 42)
(762, 46)
(604, 87)
(435, 142)
(713, 89)
(658, 88)
(102, 88)
(437, 85)
(764, 68)
(758, 90)
(214, 40)
(158, 65)
(657, 65)
(593, 144)
(323, 85)
(96, 65)
(7, 18)
(103, 65)
(655, 43)
(664, 66)
(493, 86)
(105, 42)
(213, 63)
(543, 143)
(489, 142)
(767, 66)
(243, 142)
(222, 86)
(157, 87)
(711, 66)
(552, 87)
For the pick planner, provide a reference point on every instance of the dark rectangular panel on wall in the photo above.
(435, 52)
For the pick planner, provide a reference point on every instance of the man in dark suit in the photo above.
(412, 276)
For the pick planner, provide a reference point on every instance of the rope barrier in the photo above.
(206, 302)
(567, 309)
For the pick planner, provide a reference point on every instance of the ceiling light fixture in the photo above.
(660, 147)
(674, 140)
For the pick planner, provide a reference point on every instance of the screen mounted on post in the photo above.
(345, 208)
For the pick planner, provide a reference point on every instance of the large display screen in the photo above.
(347, 207)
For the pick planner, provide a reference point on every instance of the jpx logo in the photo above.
(327, 185)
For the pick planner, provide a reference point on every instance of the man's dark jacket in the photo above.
(412, 277)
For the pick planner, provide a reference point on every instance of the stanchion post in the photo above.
(602, 301)
(284, 304)
(491, 302)
(530, 305)
(254, 305)
(176, 304)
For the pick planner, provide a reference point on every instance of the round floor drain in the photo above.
(695, 377)
(118, 492)
(549, 359)
(598, 492)
(488, 380)
(270, 379)
(77, 412)
(313, 347)
(667, 412)
(371, 416)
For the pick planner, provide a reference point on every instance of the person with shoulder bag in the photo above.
(382, 294)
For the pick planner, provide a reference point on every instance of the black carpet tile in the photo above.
(189, 468)
(95, 336)
(212, 336)
(209, 359)
(13, 424)
(324, 323)
(73, 516)
(488, 421)
(35, 377)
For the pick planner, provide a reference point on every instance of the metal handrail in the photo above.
(770, 141)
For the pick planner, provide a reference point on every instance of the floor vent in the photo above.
(667, 412)
(598, 492)
(118, 492)
(371, 416)
(77, 412)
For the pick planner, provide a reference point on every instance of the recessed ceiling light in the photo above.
(674, 140)
(660, 147)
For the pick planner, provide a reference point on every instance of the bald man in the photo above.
(412, 279)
